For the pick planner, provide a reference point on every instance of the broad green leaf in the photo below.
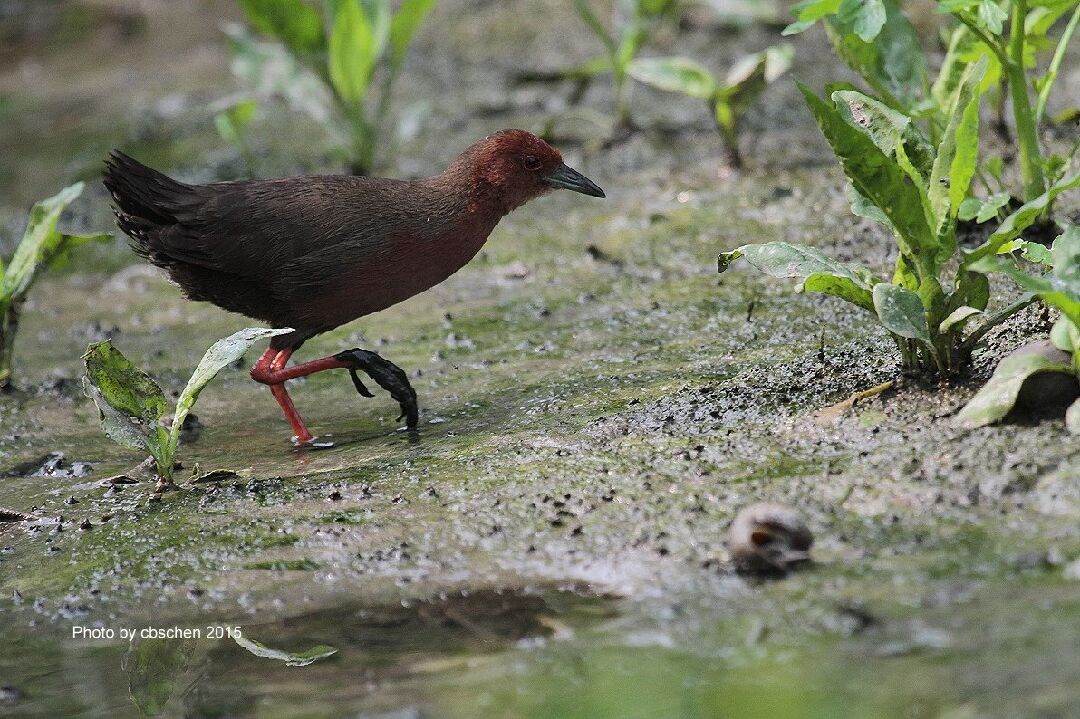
(378, 14)
(295, 23)
(674, 74)
(42, 243)
(969, 208)
(221, 354)
(352, 53)
(406, 22)
(998, 397)
(964, 49)
(778, 60)
(808, 12)
(901, 311)
(862, 207)
(1030, 251)
(1065, 336)
(957, 157)
(866, 17)
(989, 209)
(892, 64)
(874, 175)
(1020, 220)
(816, 271)
(888, 129)
(1066, 257)
(130, 402)
(291, 659)
(958, 318)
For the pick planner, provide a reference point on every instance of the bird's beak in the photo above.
(570, 179)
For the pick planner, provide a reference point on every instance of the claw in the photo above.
(388, 376)
(364, 391)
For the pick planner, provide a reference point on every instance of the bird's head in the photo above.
(511, 167)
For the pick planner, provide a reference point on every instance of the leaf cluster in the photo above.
(900, 179)
(42, 246)
(343, 45)
(132, 405)
(729, 98)
(632, 22)
(1059, 288)
(877, 41)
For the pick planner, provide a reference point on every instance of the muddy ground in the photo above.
(597, 404)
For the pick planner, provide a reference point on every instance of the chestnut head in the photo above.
(511, 167)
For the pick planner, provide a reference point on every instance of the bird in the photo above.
(311, 253)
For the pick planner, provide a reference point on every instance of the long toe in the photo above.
(387, 375)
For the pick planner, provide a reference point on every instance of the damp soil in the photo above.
(596, 406)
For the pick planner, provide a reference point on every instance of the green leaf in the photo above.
(674, 74)
(866, 17)
(221, 354)
(1020, 220)
(406, 22)
(893, 64)
(1065, 336)
(888, 129)
(230, 123)
(969, 208)
(291, 659)
(863, 207)
(1072, 418)
(997, 398)
(808, 12)
(816, 271)
(874, 175)
(901, 311)
(42, 243)
(965, 48)
(352, 53)
(989, 209)
(957, 157)
(1050, 289)
(295, 23)
(131, 404)
(958, 318)
(1030, 251)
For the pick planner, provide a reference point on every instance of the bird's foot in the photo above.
(387, 375)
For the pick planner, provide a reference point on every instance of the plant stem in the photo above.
(997, 318)
(1027, 136)
(9, 325)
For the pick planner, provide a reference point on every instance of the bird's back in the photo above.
(306, 252)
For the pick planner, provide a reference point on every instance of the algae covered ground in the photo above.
(597, 404)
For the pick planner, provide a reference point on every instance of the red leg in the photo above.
(270, 370)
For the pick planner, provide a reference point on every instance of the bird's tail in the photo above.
(145, 201)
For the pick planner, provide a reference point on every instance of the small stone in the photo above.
(86, 525)
(768, 540)
(335, 496)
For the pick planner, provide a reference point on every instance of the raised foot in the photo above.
(387, 375)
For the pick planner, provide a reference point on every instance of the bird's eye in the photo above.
(531, 162)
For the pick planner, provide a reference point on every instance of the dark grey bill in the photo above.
(570, 179)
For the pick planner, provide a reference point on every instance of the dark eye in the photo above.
(531, 162)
